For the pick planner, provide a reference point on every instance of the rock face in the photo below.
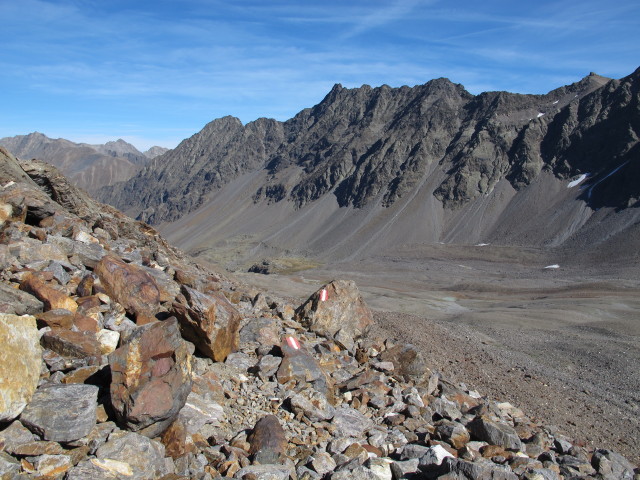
(208, 321)
(337, 309)
(20, 361)
(151, 378)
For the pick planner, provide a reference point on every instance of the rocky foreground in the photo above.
(122, 359)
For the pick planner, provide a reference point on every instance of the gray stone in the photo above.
(477, 470)
(240, 360)
(8, 465)
(15, 435)
(266, 472)
(52, 465)
(446, 409)
(404, 468)
(434, 456)
(96, 469)
(494, 433)
(144, 456)
(358, 473)
(199, 411)
(262, 330)
(20, 362)
(413, 451)
(350, 422)
(18, 302)
(322, 463)
(381, 467)
(313, 405)
(612, 465)
(59, 273)
(62, 413)
(562, 445)
(268, 365)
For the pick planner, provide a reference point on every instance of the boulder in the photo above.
(485, 429)
(298, 365)
(408, 362)
(18, 302)
(69, 343)
(151, 378)
(267, 440)
(20, 363)
(351, 423)
(62, 413)
(51, 297)
(130, 455)
(612, 465)
(336, 307)
(477, 470)
(131, 286)
(312, 405)
(209, 321)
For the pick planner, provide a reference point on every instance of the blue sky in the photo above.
(155, 72)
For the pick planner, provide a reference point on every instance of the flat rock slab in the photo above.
(62, 413)
(20, 361)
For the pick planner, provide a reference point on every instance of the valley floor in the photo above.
(563, 344)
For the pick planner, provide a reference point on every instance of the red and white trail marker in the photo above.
(293, 343)
(323, 295)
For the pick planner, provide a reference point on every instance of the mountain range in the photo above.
(370, 168)
(88, 166)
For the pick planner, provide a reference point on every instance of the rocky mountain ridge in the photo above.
(127, 360)
(368, 142)
(88, 166)
(400, 158)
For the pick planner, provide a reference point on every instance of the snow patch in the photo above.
(482, 244)
(578, 180)
(552, 267)
(540, 115)
(556, 102)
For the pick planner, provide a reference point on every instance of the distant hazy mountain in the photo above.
(371, 167)
(88, 166)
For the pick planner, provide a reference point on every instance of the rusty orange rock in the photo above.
(151, 378)
(51, 297)
(131, 286)
(209, 321)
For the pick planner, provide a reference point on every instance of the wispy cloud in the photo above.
(169, 66)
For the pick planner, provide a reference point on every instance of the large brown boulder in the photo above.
(51, 297)
(20, 362)
(131, 286)
(151, 378)
(267, 440)
(209, 321)
(337, 310)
